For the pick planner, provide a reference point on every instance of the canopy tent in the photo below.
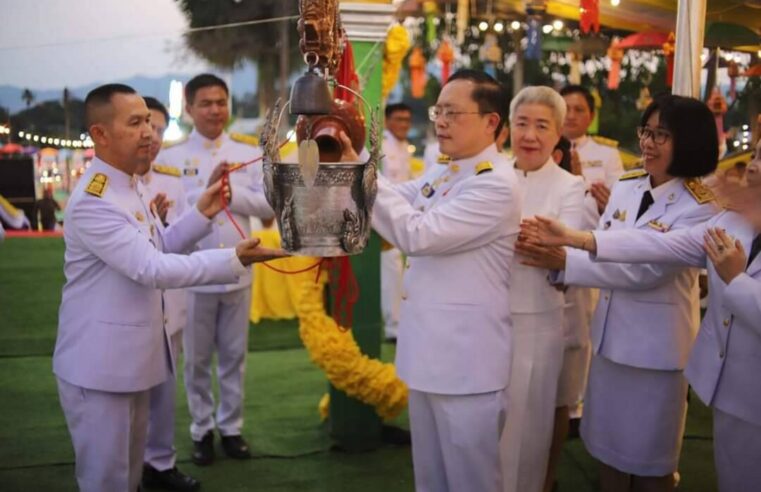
(629, 15)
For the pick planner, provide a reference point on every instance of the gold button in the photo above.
(221, 245)
(607, 297)
(404, 297)
(408, 266)
(726, 322)
(221, 222)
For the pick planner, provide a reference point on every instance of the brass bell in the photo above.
(311, 95)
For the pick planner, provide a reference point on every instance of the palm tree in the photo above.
(267, 45)
(28, 97)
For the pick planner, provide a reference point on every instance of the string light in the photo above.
(615, 3)
(84, 141)
(515, 25)
(4, 130)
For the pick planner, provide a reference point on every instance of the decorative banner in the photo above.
(668, 51)
(417, 72)
(534, 38)
(397, 46)
(445, 54)
(594, 127)
(615, 54)
(589, 15)
(574, 76)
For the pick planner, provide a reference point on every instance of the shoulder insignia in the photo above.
(443, 159)
(170, 170)
(484, 167)
(605, 141)
(97, 185)
(245, 139)
(427, 190)
(700, 192)
(174, 143)
(8, 207)
(637, 173)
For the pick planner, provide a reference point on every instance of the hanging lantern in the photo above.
(589, 16)
(534, 11)
(668, 51)
(417, 72)
(445, 54)
(615, 54)
(430, 9)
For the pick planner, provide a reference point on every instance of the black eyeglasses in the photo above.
(658, 136)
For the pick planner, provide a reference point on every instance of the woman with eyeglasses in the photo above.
(647, 315)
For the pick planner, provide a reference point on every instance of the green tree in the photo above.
(269, 45)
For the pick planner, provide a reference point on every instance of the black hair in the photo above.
(489, 94)
(101, 96)
(693, 131)
(201, 81)
(154, 103)
(393, 108)
(564, 146)
(577, 89)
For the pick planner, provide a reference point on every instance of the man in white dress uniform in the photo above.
(112, 346)
(457, 225)
(217, 314)
(163, 194)
(396, 167)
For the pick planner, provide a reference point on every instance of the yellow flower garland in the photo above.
(334, 351)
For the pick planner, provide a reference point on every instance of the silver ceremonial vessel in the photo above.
(327, 214)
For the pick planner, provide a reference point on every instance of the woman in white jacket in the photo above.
(724, 364)
(647, 315)
(536, 119)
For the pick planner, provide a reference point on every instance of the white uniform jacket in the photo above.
(599, 163)
(552, 192)
(165, 179)
(647, 315)
(725, 362)
(396, 159)
(457, 225)
(110, 325)
(197, 157)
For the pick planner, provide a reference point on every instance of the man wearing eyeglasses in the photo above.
(457, 225)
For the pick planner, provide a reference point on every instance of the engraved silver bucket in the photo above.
(330, 217)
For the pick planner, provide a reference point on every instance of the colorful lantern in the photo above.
(417, 72)
(589, 15)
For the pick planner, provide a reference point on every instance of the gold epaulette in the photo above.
(174, 143)
(8, 207)
(637, 173)
(484, 167)
(700, 192)
(169, 170)
(245, 139)
(605, 141)
(97, 185)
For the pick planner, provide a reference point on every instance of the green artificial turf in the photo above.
(292, 451)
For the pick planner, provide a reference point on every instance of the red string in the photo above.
(342, 279)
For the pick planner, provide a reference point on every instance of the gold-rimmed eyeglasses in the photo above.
(449, 115)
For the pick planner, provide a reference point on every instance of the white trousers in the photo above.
(160, 452)
(108, 433)
(537, 359)
(737, 453)
(216, 321)
(391, 290)
(455, 441)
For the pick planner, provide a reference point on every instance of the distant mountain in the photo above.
(242, 81)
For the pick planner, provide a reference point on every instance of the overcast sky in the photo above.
(49, 44)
